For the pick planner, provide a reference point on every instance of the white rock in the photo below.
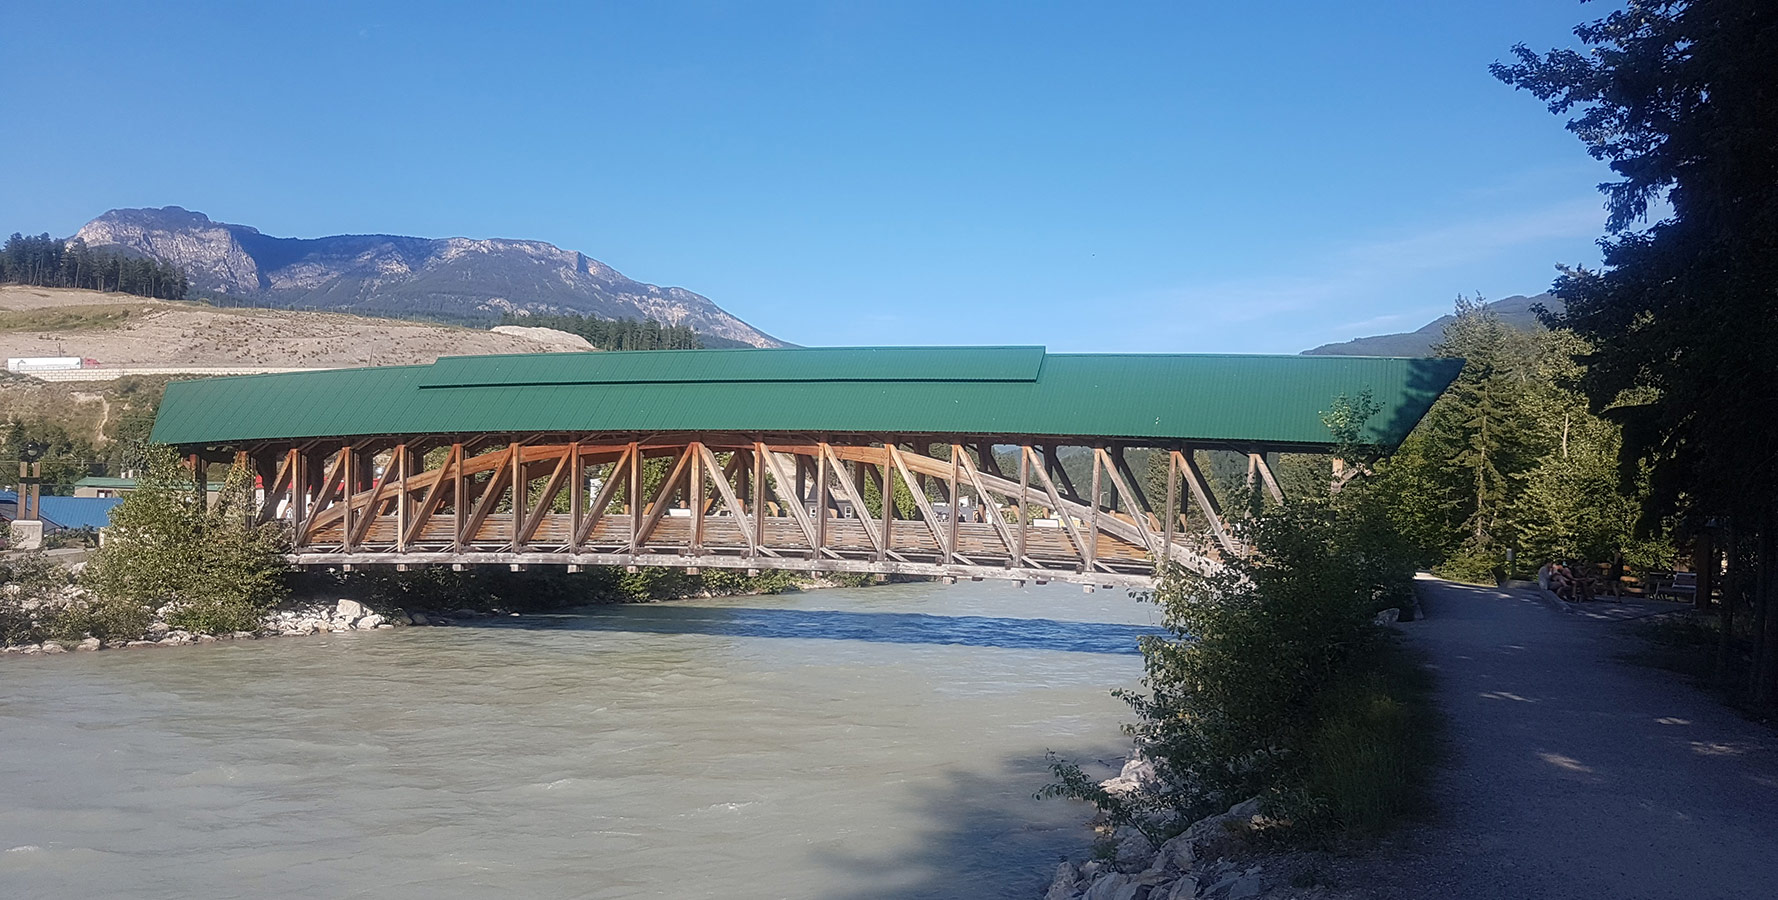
(370, 621)
(91, 643)
(159, 628)
(350, 609)
(52, 647)
(1063, 885)
(385, 625)
(1136, 774)
(558, 341)
(1387, 617)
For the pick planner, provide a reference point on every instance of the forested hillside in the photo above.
(43, 261)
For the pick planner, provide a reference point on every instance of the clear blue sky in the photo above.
(1183, 176)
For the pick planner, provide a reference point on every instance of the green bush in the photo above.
(30, 589)
(1264, 687)
(167, 545)
(111, 620)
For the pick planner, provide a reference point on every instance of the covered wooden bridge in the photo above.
(778, 459)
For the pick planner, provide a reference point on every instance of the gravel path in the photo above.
(1576, 775)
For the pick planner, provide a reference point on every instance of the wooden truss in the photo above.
(726, 502)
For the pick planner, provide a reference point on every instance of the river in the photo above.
(848, 743)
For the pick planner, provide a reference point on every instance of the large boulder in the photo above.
(1064, 885)
(350, 610)
(1138, 773)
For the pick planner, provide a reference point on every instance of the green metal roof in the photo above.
(105, 481)
(958, 390)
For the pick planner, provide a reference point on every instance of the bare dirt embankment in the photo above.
(123, 330)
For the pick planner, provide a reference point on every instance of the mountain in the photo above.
(1515, 311)
(459, 279)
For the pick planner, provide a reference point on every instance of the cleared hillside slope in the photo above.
(123, 330)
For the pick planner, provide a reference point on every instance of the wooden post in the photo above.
(299, 494)
(403, 503)
(199, 475)
(759, 499)
(293, 465)
(1172, 508)
(1024, 500)
(888, 504)
(951, 540)
(519, 489)
(1092, 547)
(459, 503)
(577, 494)
(635, 497)
(821, 476)
(697, 498)
(350, 455)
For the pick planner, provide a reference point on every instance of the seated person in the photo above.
(1562, 582)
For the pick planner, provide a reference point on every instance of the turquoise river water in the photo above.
(853, 743)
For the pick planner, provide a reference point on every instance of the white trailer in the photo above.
(47, 363)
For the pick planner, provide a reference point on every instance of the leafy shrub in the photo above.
(168, 545)
(112, 620)
(1263, 687)
(30, 597)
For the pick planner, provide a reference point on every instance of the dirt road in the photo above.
(1575, 774)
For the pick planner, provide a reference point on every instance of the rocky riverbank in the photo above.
(1226, 856)
(287, 620)
(50, 611)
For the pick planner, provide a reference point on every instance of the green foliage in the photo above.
(49, 262)
(28, 583)
(1248, 690)
(65, 459)
(167, 545)
(1510, 457)
(1677, 96)
(615, 334)
(1366, 759)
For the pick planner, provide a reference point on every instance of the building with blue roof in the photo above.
(64, 513)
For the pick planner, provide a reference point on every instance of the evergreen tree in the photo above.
(1679, 97)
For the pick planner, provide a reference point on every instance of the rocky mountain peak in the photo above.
(394, 275)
